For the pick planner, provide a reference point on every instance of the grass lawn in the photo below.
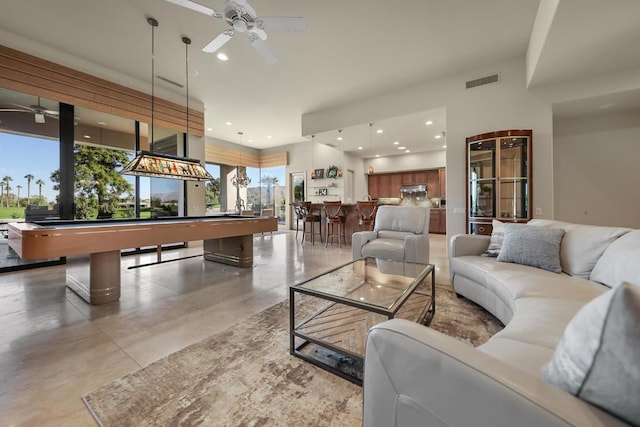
(12, 212)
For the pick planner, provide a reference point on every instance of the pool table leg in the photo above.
(95, 277)
(236, 250)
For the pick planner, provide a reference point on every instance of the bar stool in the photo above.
(311, 217)
(366, 212)
(334, 216)
(299, 214)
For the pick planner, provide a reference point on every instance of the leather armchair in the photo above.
(401, 233)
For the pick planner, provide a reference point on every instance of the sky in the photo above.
(22, 155)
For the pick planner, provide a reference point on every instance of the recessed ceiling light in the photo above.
(428, 122)
(379, 131)
(606, 106)
(251, 140)
(102, 123)
(269, 136)
(87, 136)
(402, 148)
(228, 123)
(339, 138)
(222, 57)
(407, 151)
(444, 146)
(377, 155)
(210, 129)
(396, 142)
(359, 148)
(438, 136)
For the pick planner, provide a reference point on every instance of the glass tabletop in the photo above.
(371, 281)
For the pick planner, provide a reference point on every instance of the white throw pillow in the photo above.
(597, 357)
(620, 262)
(497, 236)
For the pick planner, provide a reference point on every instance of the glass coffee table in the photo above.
(331, 314)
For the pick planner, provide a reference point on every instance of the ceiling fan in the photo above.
(37, 110)
(243, 19)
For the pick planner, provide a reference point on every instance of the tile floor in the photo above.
(54, 347)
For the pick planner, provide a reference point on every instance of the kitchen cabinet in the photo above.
(388, 184)
(438, 221)
(498, 179)
(442, 174)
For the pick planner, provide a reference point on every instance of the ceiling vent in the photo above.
(164, 79)
(494, 78)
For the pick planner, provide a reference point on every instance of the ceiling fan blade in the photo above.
(218, 42)
(39, 117)
(197, 7)
(282, 23)
(13, 110)
(51, 112)
(263, 49)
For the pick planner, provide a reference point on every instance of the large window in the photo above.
(103, 145)
(29, 159)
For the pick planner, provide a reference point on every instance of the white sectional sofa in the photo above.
(417, 376)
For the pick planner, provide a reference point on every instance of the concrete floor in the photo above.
(54, 347)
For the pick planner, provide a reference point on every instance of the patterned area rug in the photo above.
(245, 376)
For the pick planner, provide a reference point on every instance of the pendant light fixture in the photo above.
(162, 165)
(313, 171)
(370, 144)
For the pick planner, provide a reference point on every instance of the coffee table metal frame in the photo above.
(390, 312)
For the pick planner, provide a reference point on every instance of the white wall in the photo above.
(500, 106)
(596, 169)
(407, 162)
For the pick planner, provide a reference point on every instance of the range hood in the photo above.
(159, 165)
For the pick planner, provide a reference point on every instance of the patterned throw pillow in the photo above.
(497, 235)
(597, 357)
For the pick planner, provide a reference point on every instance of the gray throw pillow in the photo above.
(531, 245)
(597, 357)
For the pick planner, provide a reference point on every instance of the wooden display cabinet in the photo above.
(498, 179)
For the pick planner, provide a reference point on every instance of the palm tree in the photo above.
(19, 187)
(40, 183)
(267, 180)
(28, 177)
(274, 182)
(6, 181)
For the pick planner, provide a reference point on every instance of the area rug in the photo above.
(245, 376)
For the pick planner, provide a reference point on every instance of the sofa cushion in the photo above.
(620, 262)
(399, 235)
(384, 248)
(530, 282)
(596, 359)
(531, 245)
(497, 236)
(411, 219)
(540, 321)
(582, 245)
(522, 355)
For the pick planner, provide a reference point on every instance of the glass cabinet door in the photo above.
(482, 178)
(514, 183)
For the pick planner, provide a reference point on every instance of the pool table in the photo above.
(93, 248)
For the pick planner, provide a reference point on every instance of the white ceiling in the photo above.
(352, 49)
